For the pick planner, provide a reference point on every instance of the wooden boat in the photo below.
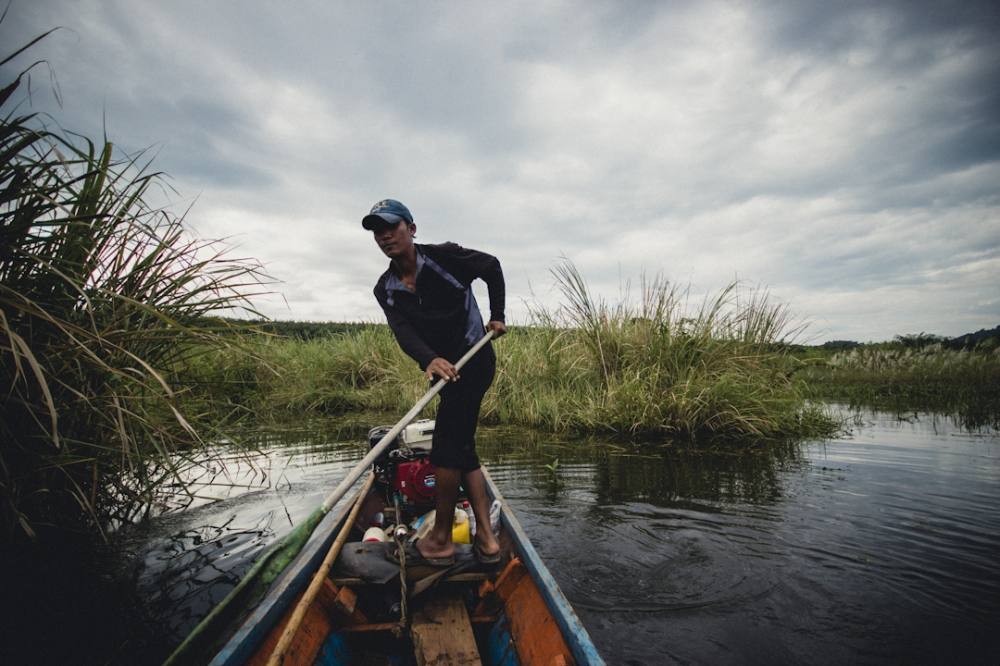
(505, 614)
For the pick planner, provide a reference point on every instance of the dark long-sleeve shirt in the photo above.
(441, 316)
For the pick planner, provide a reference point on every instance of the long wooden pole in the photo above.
(376, 451)
(278, 656)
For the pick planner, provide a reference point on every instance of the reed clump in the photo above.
(100, 294)
(278, 378)
(932, 363)
(658, 369)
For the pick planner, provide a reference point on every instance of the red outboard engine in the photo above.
(415, 480)
(404, 469)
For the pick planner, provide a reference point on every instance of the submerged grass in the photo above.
(651, 371)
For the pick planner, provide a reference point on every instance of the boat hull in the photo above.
(517, 613)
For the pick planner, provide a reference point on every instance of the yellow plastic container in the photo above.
(460, 529)
(460, 532)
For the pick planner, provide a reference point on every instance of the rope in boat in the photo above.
(399, 534)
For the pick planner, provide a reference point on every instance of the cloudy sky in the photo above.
(844, 154)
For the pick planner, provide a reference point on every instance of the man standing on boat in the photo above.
(427, 298)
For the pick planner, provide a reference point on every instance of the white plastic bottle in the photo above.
(467, 508)
(495, 516)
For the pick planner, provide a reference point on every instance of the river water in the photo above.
(882, 546)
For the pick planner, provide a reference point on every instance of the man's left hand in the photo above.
(498, 328)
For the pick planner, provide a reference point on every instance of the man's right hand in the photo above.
(443, 368)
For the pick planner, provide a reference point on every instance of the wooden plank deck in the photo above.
(442, 634)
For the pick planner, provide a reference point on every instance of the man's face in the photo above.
(394, 239)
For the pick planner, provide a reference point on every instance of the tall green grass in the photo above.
(281, 378)
(100, 294)
(656, 369)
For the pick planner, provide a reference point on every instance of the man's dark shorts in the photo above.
(454, 444)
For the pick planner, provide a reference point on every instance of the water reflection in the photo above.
(824, 552)
(879, 546)
(241, 500)
(964, 409)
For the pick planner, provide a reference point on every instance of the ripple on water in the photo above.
(877, 547)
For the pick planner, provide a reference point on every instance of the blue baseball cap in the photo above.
(387, 211)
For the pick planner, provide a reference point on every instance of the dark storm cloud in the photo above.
(895, 45)
(828, 29)
(845, 153)
(140, 105)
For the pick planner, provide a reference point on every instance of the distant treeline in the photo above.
(982, 340)
(987, 339)
(299, 330)
(312, 330)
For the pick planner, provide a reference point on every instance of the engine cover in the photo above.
(415, 481)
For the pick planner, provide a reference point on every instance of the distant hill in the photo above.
(918, 340)
(971, 340)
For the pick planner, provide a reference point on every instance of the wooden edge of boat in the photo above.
(539, 618)
(573, 631)
(240, 648)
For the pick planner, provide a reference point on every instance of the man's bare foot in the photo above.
(428, 548)
(487, 551)
(488, 547)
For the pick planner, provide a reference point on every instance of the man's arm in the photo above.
(471, 264)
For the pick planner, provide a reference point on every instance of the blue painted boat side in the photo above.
(242, 645)
(500, 649)
(577, 638)
(335, 651)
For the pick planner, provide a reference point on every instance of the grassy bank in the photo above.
(653, 370)
(900, 377)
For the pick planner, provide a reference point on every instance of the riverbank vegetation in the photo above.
(900, 376)
(656, 369)
(590, 367)
(100, 293)
(115, 363)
